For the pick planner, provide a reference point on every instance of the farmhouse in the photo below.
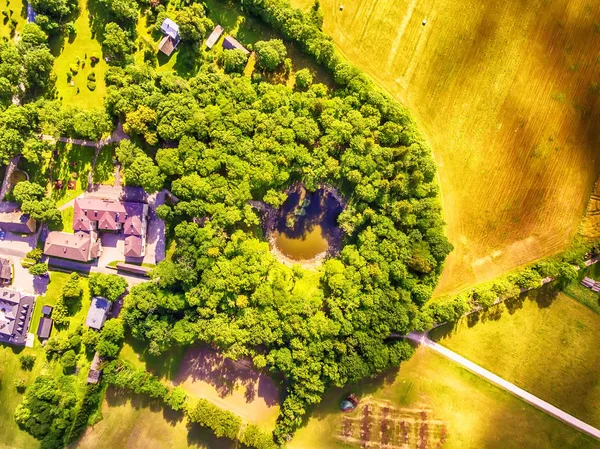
(81, 246)
(130, 218)
(230, 43)
(16, 221)
(5, 271)
(214, 36)
(171, 37)
(98, 312)
(15, 315)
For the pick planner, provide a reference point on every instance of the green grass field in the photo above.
(79, 51)
(473, 413)
(11, 436)
(504, 93)
(67, 219)
(549, 349)
(16, 10)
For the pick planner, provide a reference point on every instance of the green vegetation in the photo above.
(109, 286)
(67, 219)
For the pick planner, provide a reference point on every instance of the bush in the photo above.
(222, 422)
(39, 269)
(91, 76)
(20, 385)
(35, 254)
(68, 361)
(91, 85)
(303, 79)
(233, 61)
(27, 361)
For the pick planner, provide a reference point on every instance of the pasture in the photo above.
(545, 344)
(507, 95)
(429, 401)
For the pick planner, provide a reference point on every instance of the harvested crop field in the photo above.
(231, 385)
(508, 95)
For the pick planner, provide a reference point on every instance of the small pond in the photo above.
(305, 226)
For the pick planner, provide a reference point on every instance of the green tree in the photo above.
(68, 361)
(117, 44)
(193, 25)
(233, 61)
(38, 269)
(270, 54)
(109, 286)
(304, 78)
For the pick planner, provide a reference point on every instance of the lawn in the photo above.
(432, 399)
(67, 219)
(73, 159)
(504, 93)
(17, 10)
(549, 347)
(131, 422)
(11, 436)
(76, 53)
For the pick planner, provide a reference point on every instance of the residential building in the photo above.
(92, 214)
(15, 315)
(13, 220)
(5, 271)
(98, 312)
(81, 246)
(171, 38)
(230, 43)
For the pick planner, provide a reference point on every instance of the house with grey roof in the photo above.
(44, 328)
(6, 270)
(171, 38)
(81, 246)
(15, 315)
(12, 219)
(98, 312)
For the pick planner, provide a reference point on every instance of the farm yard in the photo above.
(507, 95)
(437, 401)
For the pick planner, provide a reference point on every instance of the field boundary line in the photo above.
(506, 385)
(394, 48)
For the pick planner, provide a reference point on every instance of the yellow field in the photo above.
(507, 92)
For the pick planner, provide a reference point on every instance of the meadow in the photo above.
(436, 403)
(545, 343)
(507, 95)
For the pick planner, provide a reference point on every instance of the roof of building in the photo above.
(133, 246)
(95, 371)
(81, 246)
(45, 327)
(15, 313)
(13, 220)
(98, 312)
(5, 269)
(230, 43)
(214, 36)
(170, 28)
(133, 225)
(167, 45)
(136, 269)
(106, 212)
(47, 310)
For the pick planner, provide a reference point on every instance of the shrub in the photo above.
(91, 76)
(91, 85)
(38, 269)
(20, 385)
(35, 254)
(303, 78)
(27, 361)
(68, 361)
(223, 423)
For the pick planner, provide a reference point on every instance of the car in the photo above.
(2, 234)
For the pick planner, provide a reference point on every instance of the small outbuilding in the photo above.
(95, 370)
(230, 43)
(5, 271)
(44, 328)
(47, 310)
(98, 312)
(214, 36)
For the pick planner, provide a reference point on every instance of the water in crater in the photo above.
(306, 224)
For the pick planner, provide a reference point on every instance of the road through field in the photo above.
(508, 95)
(527, 397)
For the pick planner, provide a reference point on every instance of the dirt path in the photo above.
(565, 417)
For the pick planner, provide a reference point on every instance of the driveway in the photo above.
(155, 239)
(25, 282)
